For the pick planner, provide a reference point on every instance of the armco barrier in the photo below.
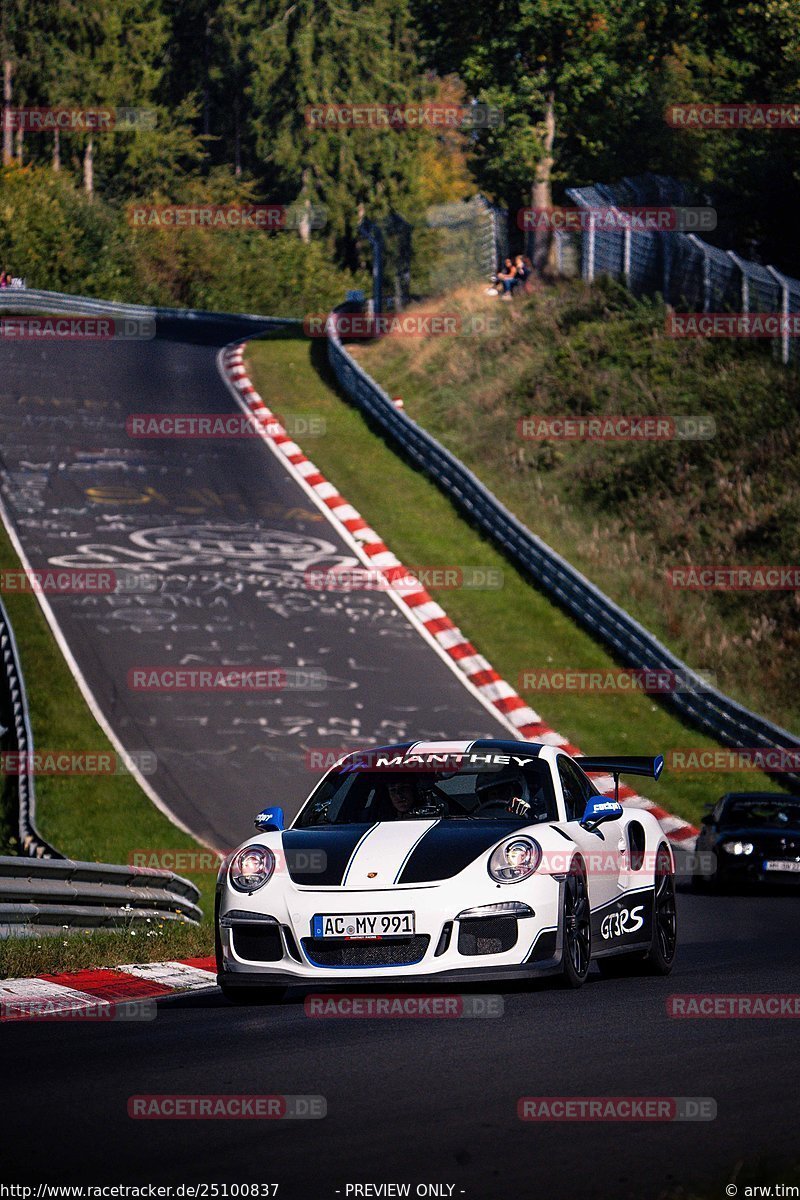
(706, 708)
(41, 891)
(25, 300)
(19, 793)
(39, 896)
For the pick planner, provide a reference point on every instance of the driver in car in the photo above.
(505, 794)
(403, 796)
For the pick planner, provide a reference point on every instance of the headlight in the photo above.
(251, 868)
(516, 859)
(738, 848)
(506, 908)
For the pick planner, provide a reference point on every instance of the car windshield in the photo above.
(781, 812)
(365, 796)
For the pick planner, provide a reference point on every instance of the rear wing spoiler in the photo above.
(623, 764)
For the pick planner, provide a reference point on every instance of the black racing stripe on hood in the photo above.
(319, 857)
(452, 845)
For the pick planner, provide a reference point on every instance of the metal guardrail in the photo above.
(57, 303)
(704, 707)
(19, 792)
(40, 890)
(39, 896)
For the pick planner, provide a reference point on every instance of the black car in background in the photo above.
(750, 838)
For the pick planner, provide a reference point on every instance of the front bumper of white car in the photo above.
(266, 938)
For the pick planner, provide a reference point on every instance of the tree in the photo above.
(325, 52)
(113, 59)
(571, 77)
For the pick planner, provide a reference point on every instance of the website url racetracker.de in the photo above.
(144, 1191)
(217, 1191)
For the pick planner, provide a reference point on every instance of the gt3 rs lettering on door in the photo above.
(627, 921)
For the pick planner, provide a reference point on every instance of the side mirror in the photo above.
(270, 818)
(598, 810)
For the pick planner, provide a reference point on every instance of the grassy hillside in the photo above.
(624, 513)
(514, 626)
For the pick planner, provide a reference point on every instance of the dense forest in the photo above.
(582, 87)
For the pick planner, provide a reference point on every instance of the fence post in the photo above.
(558, 239)
(626, 255)
(745, 286)
(495, 263)
(372, 232)
(701, 246)
(782, 283)
(589, 265)
(666, 255)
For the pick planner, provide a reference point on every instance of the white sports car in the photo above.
(448, 862)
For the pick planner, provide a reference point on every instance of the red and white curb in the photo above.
(423, 611)
(102, 990)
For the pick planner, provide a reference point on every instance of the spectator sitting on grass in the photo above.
(524, 268)
(5, 278)
(507, 277)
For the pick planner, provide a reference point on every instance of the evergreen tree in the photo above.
(324, 52)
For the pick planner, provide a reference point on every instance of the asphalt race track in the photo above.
(433, 1101)
(227, 537)
(211, 541)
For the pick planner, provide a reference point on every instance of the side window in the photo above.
(573, 797)
(541, 794)
(587, 787)
(578, 788)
